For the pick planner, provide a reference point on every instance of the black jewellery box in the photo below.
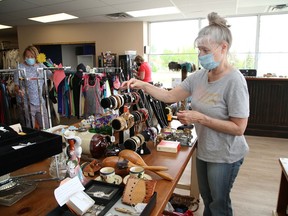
(107, 197)
(41, 145)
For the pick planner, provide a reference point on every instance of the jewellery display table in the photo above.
(41, 201)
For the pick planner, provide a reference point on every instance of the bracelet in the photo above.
(129, 118)
(119, 124)
(130, 144)
(118, 101)
(135, 97)
(137, 140)
(122, 101)
(141, 137)
(105, 103)
(145, 114)
(115, 104)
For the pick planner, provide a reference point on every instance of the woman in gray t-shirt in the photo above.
(220, 111)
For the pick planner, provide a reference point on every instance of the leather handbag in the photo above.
(138, 190)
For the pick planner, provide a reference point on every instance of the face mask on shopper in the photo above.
(30, 61)
(207, 61)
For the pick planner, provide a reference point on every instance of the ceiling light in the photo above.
(154, 12)
(53, 18)
(4, 26)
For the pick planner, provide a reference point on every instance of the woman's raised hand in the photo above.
(133, 84)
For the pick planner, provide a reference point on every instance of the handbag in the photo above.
(138, 190)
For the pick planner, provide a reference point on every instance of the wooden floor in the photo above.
(255, 191)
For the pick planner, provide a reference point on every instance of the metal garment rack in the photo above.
(8, 71)
(101, 70)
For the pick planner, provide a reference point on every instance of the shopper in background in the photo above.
(29, 93)
(220, 110)
(144, 71)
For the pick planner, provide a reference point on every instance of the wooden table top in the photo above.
(41, 201)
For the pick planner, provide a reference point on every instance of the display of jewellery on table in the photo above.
(183, 136)
(94, 210)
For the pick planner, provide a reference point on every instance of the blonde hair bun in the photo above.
(215, 19)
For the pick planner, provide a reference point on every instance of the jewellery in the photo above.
(118, 101)
(137, 140)
(99, 194)
(105, 103)
(135, 97)
(130, 144)
(137, 116)
(129, 119)
(120, 104)
(144, 113)
(119, 124)
(141, 137)
(126, 211)
(113, 102)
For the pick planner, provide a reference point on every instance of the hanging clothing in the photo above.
(92, 94)
(77, 86)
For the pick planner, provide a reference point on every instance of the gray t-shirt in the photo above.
(221, 99)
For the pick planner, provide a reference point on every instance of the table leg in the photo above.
(194, 190)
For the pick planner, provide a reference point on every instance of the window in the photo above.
(171, 41)
(266, 50)
(243, 49)
(273, 45)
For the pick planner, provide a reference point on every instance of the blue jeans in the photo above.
(215, 183)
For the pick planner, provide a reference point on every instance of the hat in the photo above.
(81, 67)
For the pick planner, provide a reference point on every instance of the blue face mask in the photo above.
(207, 61)
(30, 61)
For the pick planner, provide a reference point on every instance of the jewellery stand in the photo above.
(143, 149)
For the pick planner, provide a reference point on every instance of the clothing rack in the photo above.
(116, 70)
(95, 70)
(65, 68)
(9, 70)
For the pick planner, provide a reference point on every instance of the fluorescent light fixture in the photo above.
(53, 18)
(4, 26)
(154, 12)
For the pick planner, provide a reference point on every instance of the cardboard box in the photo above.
(168, 146)
(70, 192)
